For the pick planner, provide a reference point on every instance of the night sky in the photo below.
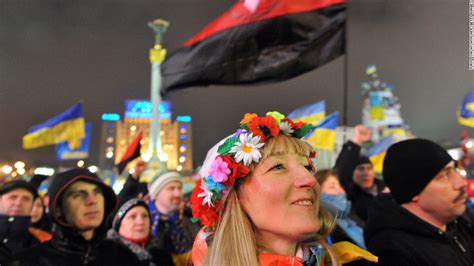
(56, 53)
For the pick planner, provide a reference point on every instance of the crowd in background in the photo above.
(415, 215)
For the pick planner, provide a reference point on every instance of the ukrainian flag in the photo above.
(324, 135)
(376, 154)
(466, 114)
(312, 113)
(68, 126)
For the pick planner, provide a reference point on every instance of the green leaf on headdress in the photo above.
(244, 126)
(194, 220)
(302, 131)
(226, 146)
(215, 197)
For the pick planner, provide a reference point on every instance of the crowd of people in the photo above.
(259, 201)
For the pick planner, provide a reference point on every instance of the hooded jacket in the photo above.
(398, 237)
(68, 246)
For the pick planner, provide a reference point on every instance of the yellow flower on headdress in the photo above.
(277, 115)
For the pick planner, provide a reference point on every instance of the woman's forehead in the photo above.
(287, 156)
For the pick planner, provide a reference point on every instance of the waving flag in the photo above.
(376, 154)
(68, 126)
(312, 113)
(259, 41)
(133, 151)
(64, 152)
(466, 113)
(324, 135)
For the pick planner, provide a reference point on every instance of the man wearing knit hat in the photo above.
(171, 221)
(80, 207)
(357, 173)
(16, 202)
(420, 222)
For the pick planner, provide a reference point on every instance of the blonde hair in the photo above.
(234, 241)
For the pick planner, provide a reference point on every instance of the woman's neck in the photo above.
(274, 244)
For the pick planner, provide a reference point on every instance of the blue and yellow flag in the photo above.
(68, 126)
(324, 135)
(376, 154)
(64, 152)
(312, 113)
(466, 113)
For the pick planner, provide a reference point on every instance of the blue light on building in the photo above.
(183, 118)
(110, 117)
(143, 109)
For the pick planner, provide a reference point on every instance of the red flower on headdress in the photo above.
(237, 170)
(208, 215)
(293, 124)
(264, 127)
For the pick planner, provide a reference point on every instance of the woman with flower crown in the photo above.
(258, 199)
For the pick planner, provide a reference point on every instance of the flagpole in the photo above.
(157, 56)
(346, 77)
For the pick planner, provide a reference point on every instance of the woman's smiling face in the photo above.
(281, 197)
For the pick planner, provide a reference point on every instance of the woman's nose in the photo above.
(305, 178)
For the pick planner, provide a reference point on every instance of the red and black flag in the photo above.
(132, 152)
(259, 41)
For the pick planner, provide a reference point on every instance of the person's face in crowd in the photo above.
(136, 224)
(17, 202)
(83, 205)
(332, 186)
(37, 211)
(169, 198)
(364, 175)
(445, 196)
(281, 198)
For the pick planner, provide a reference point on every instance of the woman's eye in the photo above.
(277, 166)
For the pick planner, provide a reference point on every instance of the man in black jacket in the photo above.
(80, 206)
(421, 222)
(16, 202)
(356, 173)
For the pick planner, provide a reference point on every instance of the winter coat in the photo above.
(361, 200)
(148, 255)
(346, 162)
(398, 237)
(15, 233)
(132, 188)
(68, 247)
(175, 234)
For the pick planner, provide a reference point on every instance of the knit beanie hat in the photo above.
(410, 165)
(17, 184)
(124, 208)
(64, 180)
(161, 180)
(363, 160)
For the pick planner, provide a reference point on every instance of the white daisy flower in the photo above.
(247, 149)
(206, 195)
(285, 128)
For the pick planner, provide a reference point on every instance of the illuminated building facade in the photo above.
(108, 140)
(176, 136)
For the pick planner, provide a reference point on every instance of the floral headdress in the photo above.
(229, 160)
